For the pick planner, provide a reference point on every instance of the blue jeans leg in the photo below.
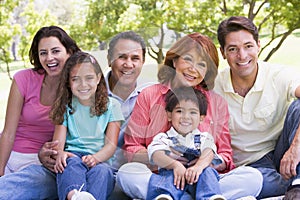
(33, 182)
(163, 183)
(208, 184)
(72, 177)
(290, 127)
(269, 165)
(273, 182)
(100, 181)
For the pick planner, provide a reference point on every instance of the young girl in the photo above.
(87, 127)
(186, 108)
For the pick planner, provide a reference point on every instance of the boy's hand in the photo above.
(179, 178)
(192, 174)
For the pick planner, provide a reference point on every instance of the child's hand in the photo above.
(192, 174)
(179, 179)
(60, 161)
(89, 160)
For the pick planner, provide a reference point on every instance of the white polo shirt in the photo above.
(256, 120)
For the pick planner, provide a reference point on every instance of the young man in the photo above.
(126, 56)
(258, 96)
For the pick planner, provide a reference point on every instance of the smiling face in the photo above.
(241, 52)
(190, 68)
(52, 55)
(83, 82)
(185, 117)
(126, 62)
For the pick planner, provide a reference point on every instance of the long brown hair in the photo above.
(64, 96)
(50, 31)
(207, 51)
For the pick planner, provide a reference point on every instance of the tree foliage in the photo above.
(275, 18)
(8, 30)
(33, 21)
(93, 22)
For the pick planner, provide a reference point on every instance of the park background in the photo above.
(91, 23)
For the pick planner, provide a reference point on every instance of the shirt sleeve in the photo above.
(148, 118)
(207, 141)
(159, 142)
(134, 139)
(220, 131)
(22, 79)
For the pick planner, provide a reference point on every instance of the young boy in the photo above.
(186, 108)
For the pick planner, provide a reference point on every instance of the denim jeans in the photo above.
(163, 183)
(274, 184)
(34, 182)
(133, 179)
(98, 180)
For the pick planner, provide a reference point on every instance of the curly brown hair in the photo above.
(64, 95)
(207, 51)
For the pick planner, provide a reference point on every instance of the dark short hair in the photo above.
(50, 31)
(233, 24)
(173, 98)
(126, 35)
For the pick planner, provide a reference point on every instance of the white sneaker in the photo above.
(82, 196)
(247, 198)
(163, 197)
(217, 197)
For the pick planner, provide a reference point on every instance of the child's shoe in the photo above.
(163, 197)
(82, 196)
(217, 197)
(247, 198)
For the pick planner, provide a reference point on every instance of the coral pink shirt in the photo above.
(149, 118)
(34, 127)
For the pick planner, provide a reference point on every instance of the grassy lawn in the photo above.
(288, 55)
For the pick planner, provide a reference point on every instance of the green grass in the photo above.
(288, 54)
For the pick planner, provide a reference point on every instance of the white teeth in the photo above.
(52, 65)
(127, 73)
(185, 123)
(244, 63)
(189, 77)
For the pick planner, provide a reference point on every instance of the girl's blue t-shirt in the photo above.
(86, 133)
